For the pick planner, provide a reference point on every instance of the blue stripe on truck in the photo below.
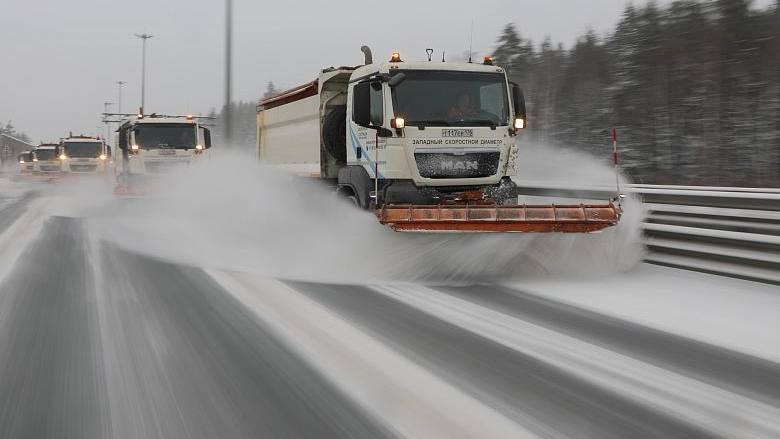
(371, 163)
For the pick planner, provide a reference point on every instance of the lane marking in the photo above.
(19, 236)
(396, 391)
(721, 412)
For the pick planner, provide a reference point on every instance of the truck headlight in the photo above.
(199, 147)
(21, 162)
(520, 123)
(103, 157)
(398, 123)
(63, 157)
(134, 147)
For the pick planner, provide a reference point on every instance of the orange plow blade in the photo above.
(132, 191)
(500, 219)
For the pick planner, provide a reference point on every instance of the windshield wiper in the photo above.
(478, 123)
(430, 123)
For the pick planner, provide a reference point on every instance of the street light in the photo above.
(106, 110)
(143, 38)
(119, 102)
(228, 117)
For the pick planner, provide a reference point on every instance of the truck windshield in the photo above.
(83, 149)
(166, 136)
(45, 154)
(437, 98)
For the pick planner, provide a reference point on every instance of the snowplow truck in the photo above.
(150, 146)
(84, 155)
(427, 146)
(26, 163)
(48, 160)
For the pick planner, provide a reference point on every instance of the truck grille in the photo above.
(50, 168)
(83, 168)
(466, 164)
(162, 167)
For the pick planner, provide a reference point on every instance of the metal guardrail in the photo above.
(731, 232)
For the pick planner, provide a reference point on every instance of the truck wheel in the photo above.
(334, 133)
(348, 194)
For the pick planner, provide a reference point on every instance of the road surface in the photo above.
(98, 341)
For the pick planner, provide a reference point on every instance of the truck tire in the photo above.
(334, 133)
(347, 194)
(355, 179)
(354, 201)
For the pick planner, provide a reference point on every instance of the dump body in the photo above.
(418, 143)
(289, 130)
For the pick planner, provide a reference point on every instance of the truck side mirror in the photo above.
(383, 132)
(361, 104)
(518, 102)
(396, 80)
(207, 138)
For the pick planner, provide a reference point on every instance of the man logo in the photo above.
(460, 165)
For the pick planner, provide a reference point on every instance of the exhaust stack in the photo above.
(369, 58)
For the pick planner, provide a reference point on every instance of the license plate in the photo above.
(167, 152)
(457, 133)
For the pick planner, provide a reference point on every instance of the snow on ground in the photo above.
(736, 314)
(234, 214)
(9, 188)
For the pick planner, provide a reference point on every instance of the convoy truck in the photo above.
(26, 163)
(84, 155)
(47, 159)
(153, 145)
(427, 146)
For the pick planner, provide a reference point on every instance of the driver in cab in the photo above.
(463, 109)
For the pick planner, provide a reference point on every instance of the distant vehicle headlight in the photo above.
(103, 156)
(63, 157)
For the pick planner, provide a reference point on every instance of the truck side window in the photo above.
(377, 105)
(492, 97)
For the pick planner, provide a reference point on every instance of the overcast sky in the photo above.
(61, 58)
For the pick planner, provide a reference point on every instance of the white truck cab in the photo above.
(47, 159)
(153, 145)
(26, 164)
(84, 155)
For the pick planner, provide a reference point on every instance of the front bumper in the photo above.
(407, 192)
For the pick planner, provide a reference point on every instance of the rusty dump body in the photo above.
(486, 218)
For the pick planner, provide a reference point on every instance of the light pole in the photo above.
(106, 110)
(119, 101)
(228, 116)
(143, 38)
